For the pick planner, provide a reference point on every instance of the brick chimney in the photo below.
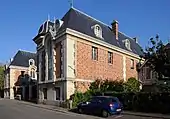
(115, 28)
(135, 39)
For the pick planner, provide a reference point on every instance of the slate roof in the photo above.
(79, 21)
(22, 58)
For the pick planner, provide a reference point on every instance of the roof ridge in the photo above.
(27, 51)
(126, 35)
(89, 16)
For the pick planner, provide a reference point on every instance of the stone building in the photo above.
(76, 50)
(21, 76)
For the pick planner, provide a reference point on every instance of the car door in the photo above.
(94, 106)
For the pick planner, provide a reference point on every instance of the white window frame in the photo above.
(98, 31)
(132, 63)
(110, 57)
(31, 61)
(127, 44)
(94, 53)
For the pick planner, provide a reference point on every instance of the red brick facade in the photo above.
(89, 69)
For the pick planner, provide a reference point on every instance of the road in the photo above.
(11, 109)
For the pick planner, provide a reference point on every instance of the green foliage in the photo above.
(144, 102)
(100, 87)
(157, 56)
(1, 77)
(132, 85)
(116, 86)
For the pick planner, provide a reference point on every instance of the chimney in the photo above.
(135, 39)
(115, 28)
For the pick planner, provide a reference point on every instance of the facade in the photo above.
(21, 77)
(78, 49)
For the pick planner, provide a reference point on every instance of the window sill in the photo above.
(110, 64)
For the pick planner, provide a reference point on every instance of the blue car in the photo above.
(103, 105)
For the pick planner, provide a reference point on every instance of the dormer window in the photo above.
(31, 62)
(127, 44)
(98, 31)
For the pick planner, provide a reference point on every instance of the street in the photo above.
(12, 109)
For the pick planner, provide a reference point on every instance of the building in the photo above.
(21, 76)
(149, 77)
(76, 50)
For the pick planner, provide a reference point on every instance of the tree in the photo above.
(1, 77)
(157, 56)
(132, 85)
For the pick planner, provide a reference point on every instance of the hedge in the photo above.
(141, 101)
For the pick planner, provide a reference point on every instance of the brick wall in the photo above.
(14, 74)
(87, 68)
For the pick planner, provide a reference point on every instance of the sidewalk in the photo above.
(64, 110)
(154, 115)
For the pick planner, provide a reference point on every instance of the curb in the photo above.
(146, 115)
(43, 107)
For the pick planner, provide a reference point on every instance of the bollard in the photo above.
(70, 104)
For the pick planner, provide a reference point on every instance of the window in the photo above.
(98, 31)
(50, 56)
(45, 93)
(57, 90)
(110, 57)
(32, 74)
(148, 73)
(132, 64)
(43, 72)
(94, 53)
(127, 44)
(31, 62)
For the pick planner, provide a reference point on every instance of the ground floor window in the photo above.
(45, 93)
(57, 92)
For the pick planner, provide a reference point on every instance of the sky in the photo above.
(21, 19)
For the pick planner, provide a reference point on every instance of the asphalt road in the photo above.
(11, 109)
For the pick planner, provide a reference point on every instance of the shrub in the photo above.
(132, 85)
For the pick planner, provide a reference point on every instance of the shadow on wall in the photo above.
(24, 81)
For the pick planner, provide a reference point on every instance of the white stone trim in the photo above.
(84, 80)
(100, 42)
(18, 67)
(124, 68)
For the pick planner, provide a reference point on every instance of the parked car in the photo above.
(103, 105)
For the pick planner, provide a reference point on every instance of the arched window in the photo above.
(31, 62)
(127, 44)
(50, 56)
(98, 31)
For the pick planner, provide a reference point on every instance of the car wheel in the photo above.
(80, 110)
(105, 113)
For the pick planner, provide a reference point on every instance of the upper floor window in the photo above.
(132, 63)
(32, 74)
(50, 56)
(127, 44)
(31, 62)
(98, 31)
(110, 57)
(94, 53)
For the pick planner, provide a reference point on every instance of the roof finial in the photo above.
(48, 17)
(71, 3)
(54, 19)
